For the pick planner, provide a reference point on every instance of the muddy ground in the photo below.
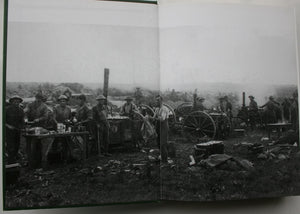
(275, 174)
(133, 175)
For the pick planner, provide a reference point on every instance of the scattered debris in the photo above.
(193, 162)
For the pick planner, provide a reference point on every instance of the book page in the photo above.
(81, 76)
(229, 74)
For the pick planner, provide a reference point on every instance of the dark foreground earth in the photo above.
(134, 175)
(127, 176)
(275, 171)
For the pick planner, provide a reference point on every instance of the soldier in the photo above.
(227, 107)
(198, 106)
(128, 108)
(286, 105)
(62, 112)
(253, 111)
(83, 113)
(162, 127)
(14, 122)
(37, 111)
(102, 125)
(295, 112)
(271, 109)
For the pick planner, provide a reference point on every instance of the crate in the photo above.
(208, 148)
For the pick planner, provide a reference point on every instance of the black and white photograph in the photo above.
(229, 73)
(111, 102)
(81, 84)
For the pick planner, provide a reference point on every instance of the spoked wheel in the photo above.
(197, 125)
(146, 110)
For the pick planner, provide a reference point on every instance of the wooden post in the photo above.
(106, 79)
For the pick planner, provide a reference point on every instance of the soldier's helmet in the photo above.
(100, 97)
(271, 98)
(251, 97)
(63, 97)
(15, 97)
(129, 98)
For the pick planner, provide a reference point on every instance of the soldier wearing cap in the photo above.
(37, 111)
(128, 108)
(62, 112)
(161, 116)
(99, 113)
(14, 122)
(253, 111)
(271, 110)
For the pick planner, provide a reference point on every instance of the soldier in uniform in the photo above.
(14, 122)
(253, 111)
(162, 127)
(198, 106)
(83, 113)
(295, 112)
(37, 111)
(286, 105)
(102, 126)
(128, 108)
(271, 109)
(62, 112)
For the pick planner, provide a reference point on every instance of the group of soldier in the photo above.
(94, 120)
(273, 111)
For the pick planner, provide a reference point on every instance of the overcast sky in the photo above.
(74, 40)
(236, 43)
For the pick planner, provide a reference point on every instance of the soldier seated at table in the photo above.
(62, 112)
(101, 129)
(14, 122)
(128, 110)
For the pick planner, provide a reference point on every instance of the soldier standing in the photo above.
(162, 127)
(295, 112)
(83, 113)
(271, 109)
(102, 125)
(253, 111)
(37, 111)
(14, 122)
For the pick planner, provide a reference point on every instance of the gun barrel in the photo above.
(244, 101)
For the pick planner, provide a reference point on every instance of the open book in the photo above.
(117, 102)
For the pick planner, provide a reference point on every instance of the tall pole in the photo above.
(106, 79)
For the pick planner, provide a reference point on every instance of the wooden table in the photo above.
(33, 139)
(278, 127)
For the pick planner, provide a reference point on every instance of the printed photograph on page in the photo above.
(229, 75)
(82, 81)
